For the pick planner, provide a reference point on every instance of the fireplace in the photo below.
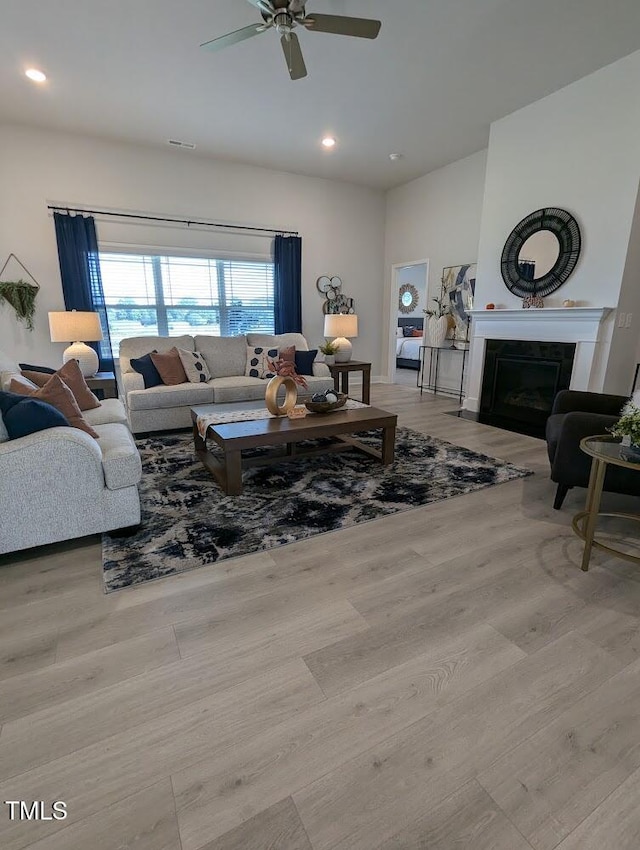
(520, 380)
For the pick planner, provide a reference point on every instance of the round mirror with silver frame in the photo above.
(541, 252)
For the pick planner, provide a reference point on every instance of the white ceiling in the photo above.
(439, 73)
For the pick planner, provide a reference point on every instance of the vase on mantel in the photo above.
(438, 328)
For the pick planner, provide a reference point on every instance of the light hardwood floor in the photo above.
(446, 678)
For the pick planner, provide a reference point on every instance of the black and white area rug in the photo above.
(187, 521)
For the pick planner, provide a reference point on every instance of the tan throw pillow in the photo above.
(258, 361)
(288, 354)
(72, 376)
(58, 394)
(195, 367)
(169, 366)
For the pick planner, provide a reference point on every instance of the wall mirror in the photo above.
(541, 252)
(408, 297)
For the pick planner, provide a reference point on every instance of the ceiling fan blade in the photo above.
(233, 37)
(341, 25)
(264, 6)
(293, 56)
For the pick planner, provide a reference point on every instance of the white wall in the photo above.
(342, 225)
(578, 149)
(435, 217)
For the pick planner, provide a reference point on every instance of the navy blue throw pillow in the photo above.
(23, 415)
(27, 367)
(146, 367)
(304, 361)
(408, 330)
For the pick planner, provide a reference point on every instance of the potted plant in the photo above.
(438, 319)
(22, 297)
(329, 351)
(629, 426)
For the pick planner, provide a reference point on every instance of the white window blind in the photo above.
(168, 296)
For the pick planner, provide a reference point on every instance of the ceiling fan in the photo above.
(283, 16)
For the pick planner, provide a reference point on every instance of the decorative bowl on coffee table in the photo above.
(326, 406)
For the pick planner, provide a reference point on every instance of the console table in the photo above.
(434, 366)
(340, 375)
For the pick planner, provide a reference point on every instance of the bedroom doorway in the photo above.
(409, 293)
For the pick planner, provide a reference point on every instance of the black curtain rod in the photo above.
(175, 220)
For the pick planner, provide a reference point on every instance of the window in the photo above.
(168, 296)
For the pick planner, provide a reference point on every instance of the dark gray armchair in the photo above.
(576, 415)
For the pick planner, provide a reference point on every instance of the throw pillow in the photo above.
(46, 370)
(58, 394)
(72, 376)
(144, 366)
(170, 367)
(399, 332)
(287, 369)
(195, 367)
(22, 415)
(417, 333)
(408, 330)
(26, 382)
(288, 354)
(258, 358)
(304, 361)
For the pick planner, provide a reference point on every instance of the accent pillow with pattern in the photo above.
(195, 367)
(258, 358)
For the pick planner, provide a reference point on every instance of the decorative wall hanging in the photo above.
(19, 293)
(336, 302)
(459, 286)
(540, 254)
(408, 297)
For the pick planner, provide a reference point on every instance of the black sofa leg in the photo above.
(561, 492)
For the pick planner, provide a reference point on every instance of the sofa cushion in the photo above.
(170, 367)
(23, 415)
(195, 366)
(110, 410)
(4, 434)
(73, 378)
(136, 346)
(57, 393)
(224, 355)
(120, 459)
(147, 368)
(260, 362)
(237, 388)
(181, 395)
(278, 340)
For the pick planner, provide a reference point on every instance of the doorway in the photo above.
(409, 293)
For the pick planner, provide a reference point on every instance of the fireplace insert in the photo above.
(520, 381)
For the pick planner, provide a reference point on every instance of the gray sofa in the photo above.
(61, 483)
(165, 407)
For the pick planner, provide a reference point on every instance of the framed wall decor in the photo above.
(408, 297)
(458, 287)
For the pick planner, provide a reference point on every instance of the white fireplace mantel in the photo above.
(581, 325)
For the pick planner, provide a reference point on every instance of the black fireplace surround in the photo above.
(520, 381)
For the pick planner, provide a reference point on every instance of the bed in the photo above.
(408, 347)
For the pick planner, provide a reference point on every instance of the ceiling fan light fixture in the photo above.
(329, 142)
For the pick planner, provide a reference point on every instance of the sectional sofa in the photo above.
(163, 407)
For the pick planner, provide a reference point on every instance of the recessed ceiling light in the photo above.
(329, 142)
(36, 75)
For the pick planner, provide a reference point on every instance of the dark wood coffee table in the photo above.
(282, 432)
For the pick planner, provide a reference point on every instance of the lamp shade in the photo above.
(341, 325)
(75, 326)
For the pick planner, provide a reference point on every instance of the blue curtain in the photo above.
(80, 272)
(287, 259)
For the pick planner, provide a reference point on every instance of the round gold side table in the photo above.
(604, 450)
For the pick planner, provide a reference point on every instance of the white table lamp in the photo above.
(341, 326)
(78, 328)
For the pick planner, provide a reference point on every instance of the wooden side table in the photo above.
(340, 374)
(105, 382)
(604, 450)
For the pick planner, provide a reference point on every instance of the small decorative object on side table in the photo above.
(104, 382)
(340, 374)
(604, 450)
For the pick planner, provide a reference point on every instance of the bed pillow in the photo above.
(304, 361)
(194, 366)
(417, 333)
(145, 366)
(399, 332)
(258, 357)
(57, 393)
(170, 367)
(22, 415)
(408, 330)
